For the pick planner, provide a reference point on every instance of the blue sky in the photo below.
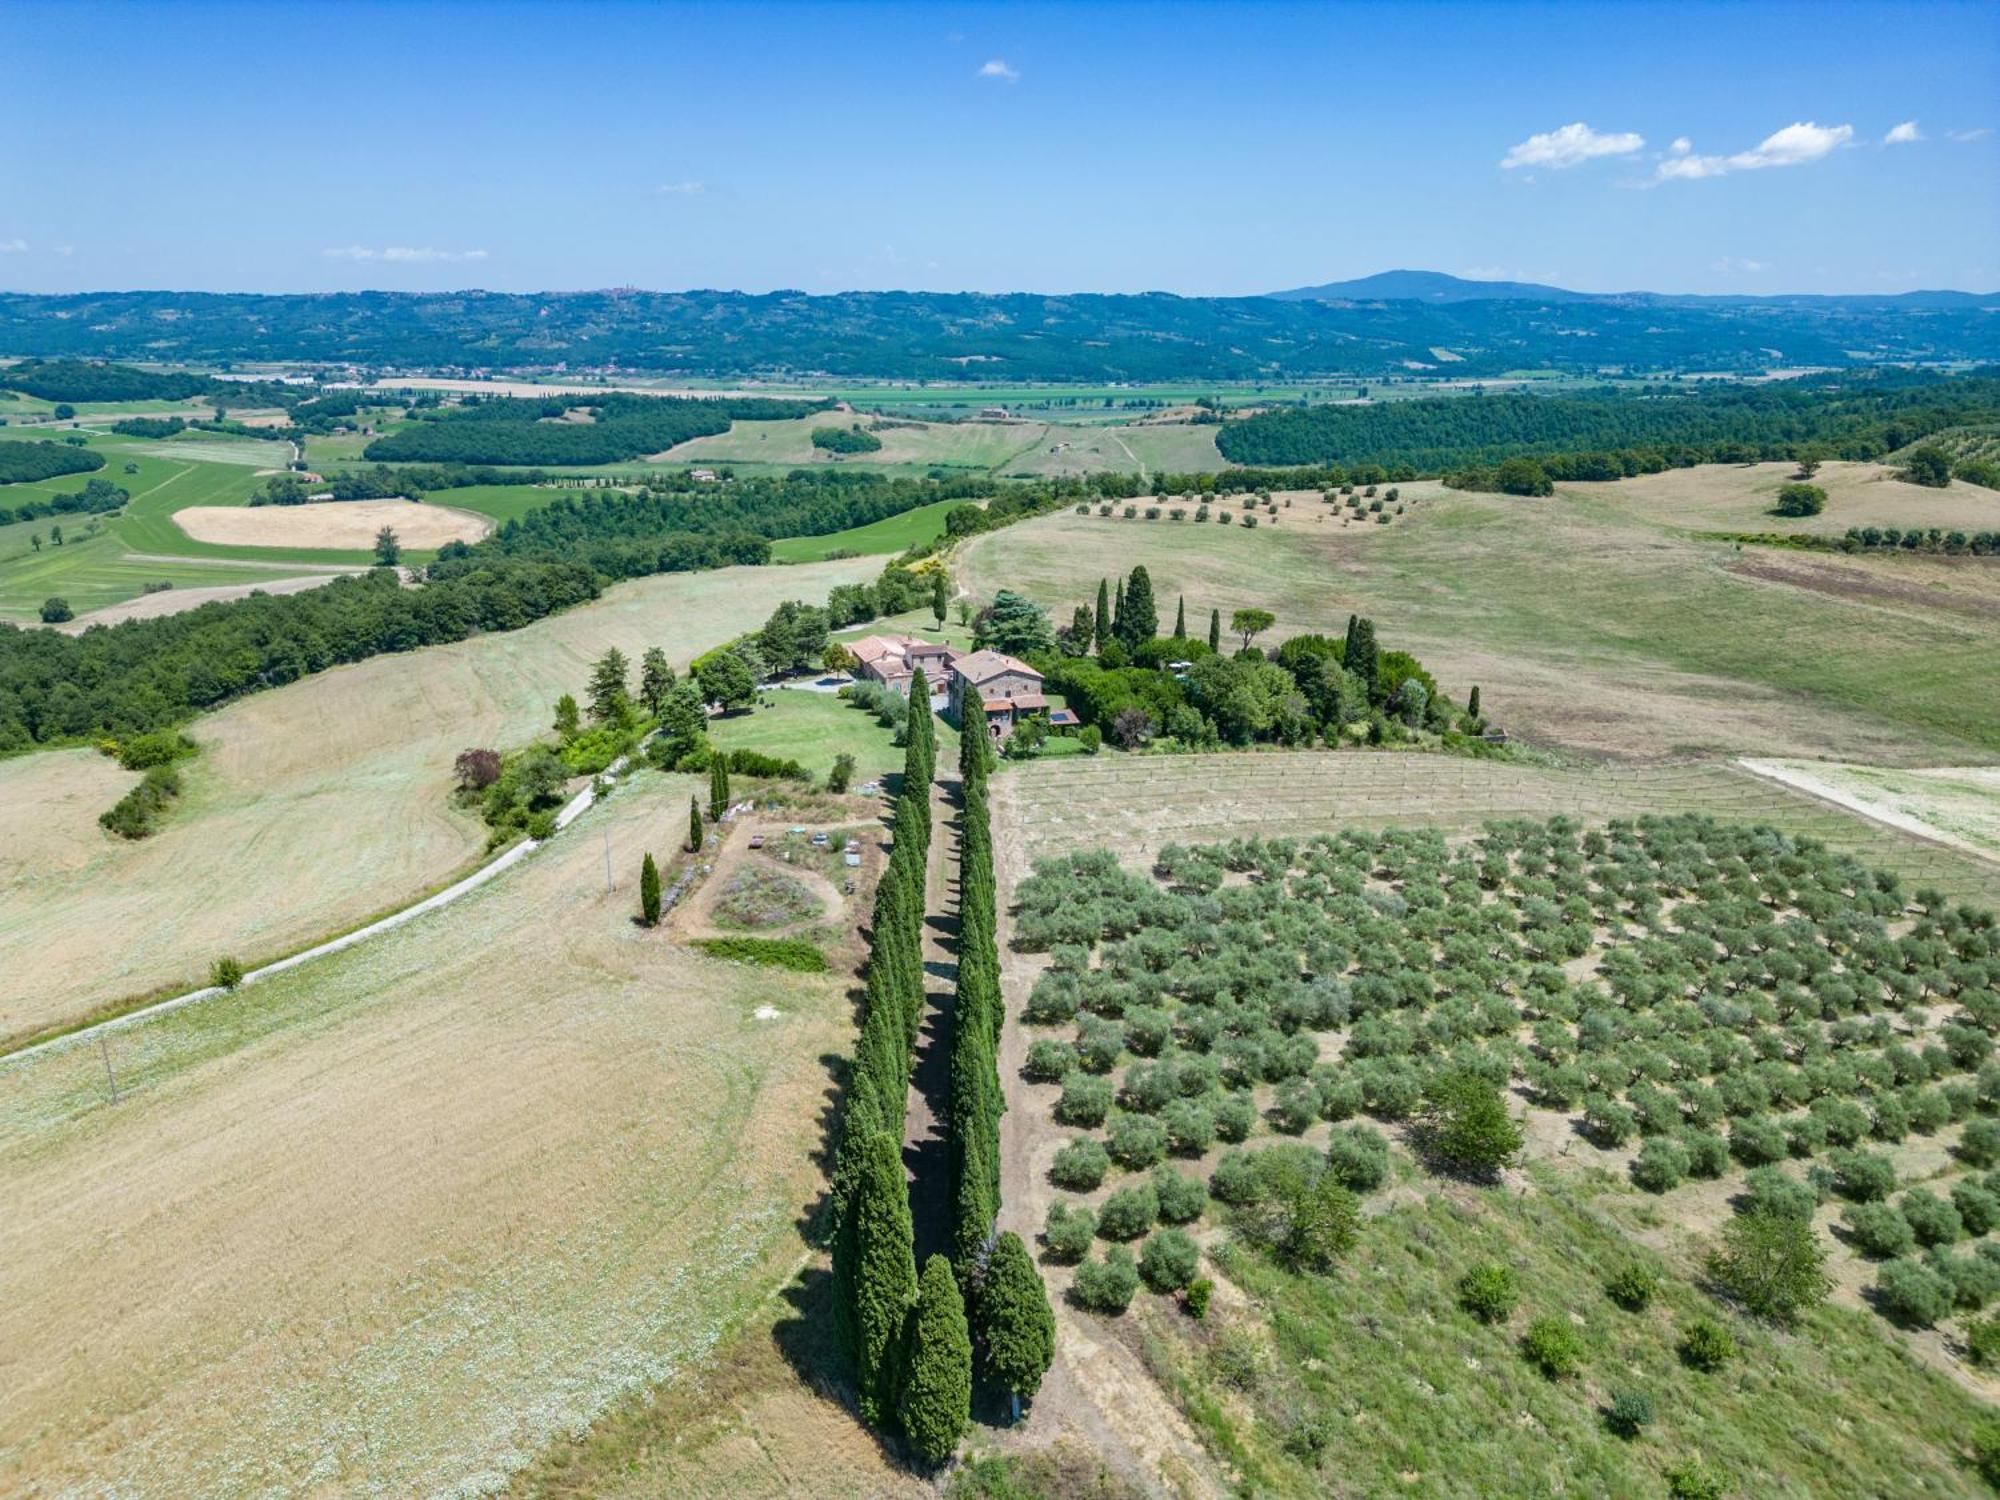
(1077, 147)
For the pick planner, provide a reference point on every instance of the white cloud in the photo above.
(1571, 146)
(688, 189)
(1736, 265)
(1681, 146)
(1903, 134)
(13, 247)
(1793, 146)
(997, 68)
(402, 254)
(1965, 136)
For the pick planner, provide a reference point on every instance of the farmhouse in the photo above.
(1004, 688)
(892, 660)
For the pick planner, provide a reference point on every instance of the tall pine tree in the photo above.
(718, 785)
(1180, 619)
(1361, 657)
(1215, 630)
(1103, 615)
(694, 826)
(649, 892)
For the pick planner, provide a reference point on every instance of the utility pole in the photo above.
(104, 1051)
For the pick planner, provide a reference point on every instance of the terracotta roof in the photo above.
(1019, 700)
(984, 666)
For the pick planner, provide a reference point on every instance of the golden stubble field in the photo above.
(333, 524)
(388, 1224)
(314, 806)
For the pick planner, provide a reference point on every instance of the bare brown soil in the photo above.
(336, 525)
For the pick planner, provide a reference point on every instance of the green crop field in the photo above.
(893, 534)
(812, 728)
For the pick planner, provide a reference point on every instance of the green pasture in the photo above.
(93, 572)
(813, 728)
(892, 534)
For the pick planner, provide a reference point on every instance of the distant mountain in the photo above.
(1437, 287)
(1429, 286)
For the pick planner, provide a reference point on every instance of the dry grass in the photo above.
(312, 806)
(1956, 805)
(390, 1223)
(345, 525)
(1585, 624)
(1740, 497)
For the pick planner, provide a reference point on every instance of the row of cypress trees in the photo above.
(1010, 1306)
(908, 1338)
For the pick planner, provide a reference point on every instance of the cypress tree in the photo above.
(1472, 703)
(1103, 615)
(649, 892)
(1139, 620)
(1215, 630)
(937, 1382)
(1360, 658)
(694, 826)
(885, 1273)
(1180, 619)
(718, 784)
(1118, 613)
(1016, 1325)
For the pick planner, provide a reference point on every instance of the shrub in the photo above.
(1358, 1158)
(1489, 1292)
(1080, 1166)
(56, 611)
(1069, 1231)
(1607, 1122)
(1706, 1345)
(1085, 1101)
(1863, 1176)
(1707, 1153)
(1235, 1117)
(1169, 1260)
(1107, 1285)
(1913, 1294)
(1553, 1347)
(1196, 1297)
(1137, 1142)
(1979, 1146)
(1048, 1060)
(1931, 1218)
(1660, 1164)
(1629, 1414)
(1800, 500)
(226, 973)
(1977, 1208)
(1773, 1265)
(1296, 1106)
(1182, 1199)
(1982, 1342)
(1190, 1126)
(1756, 1141)
(1128, 1213)
(1466, 1127)
(1632, 1287)
(1770, 1190)
(1878, 1231)
(796, 954)
(1688, 1480)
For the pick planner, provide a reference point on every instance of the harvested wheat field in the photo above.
(312, 806)
(1956, 805)
(389, 1223)
(175, 601)
(336, 525)
(1586, 626)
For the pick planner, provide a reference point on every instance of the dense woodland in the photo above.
(1019, 336)
(508, 431)
(74, 380)
(1858, 416)
(23, 463)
